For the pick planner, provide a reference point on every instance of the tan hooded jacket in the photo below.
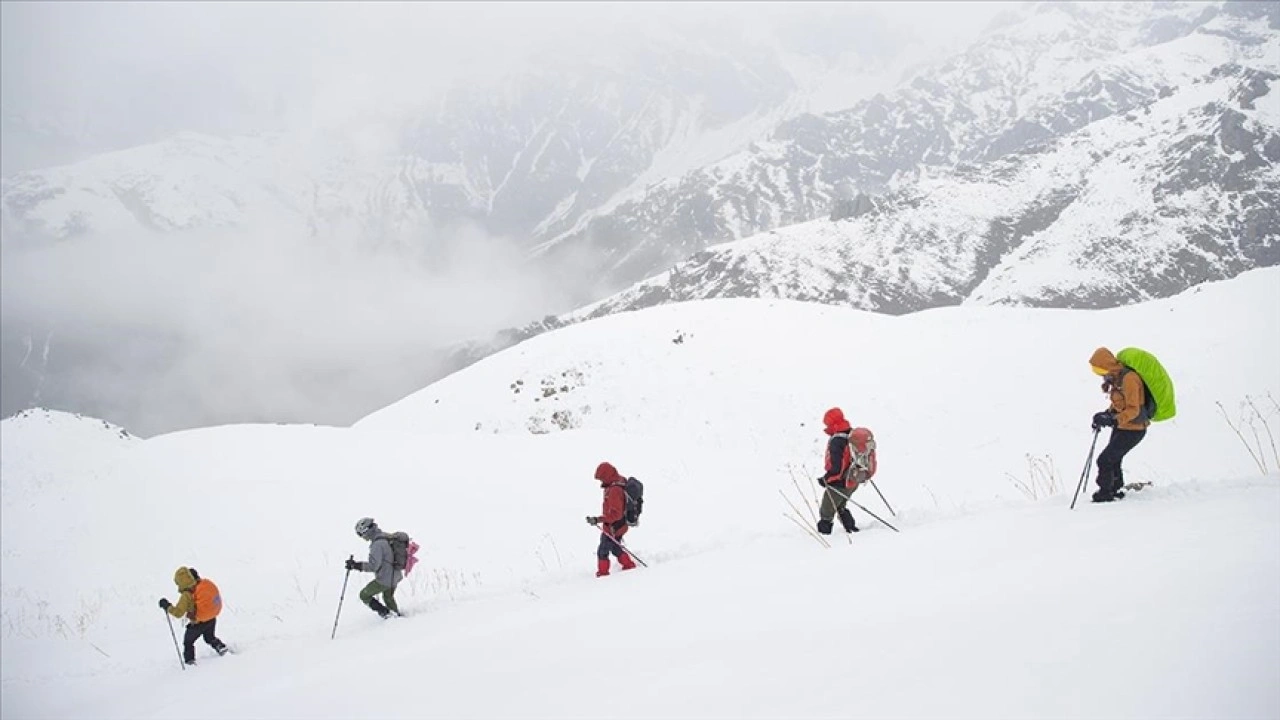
(1127, 394)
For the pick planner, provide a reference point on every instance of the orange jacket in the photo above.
(1125, 387)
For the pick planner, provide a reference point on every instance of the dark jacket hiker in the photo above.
(837, 482)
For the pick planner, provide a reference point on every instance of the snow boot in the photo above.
(379, 608)
(846, 519)
(221, 648)
(602, 567)
(824, 527)
(1103, 496)
(626, 562)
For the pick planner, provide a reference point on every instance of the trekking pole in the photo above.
(181, 663)
(877, 517)
(858, 505)
(1087, 462)
(340, 599)
(886, 502)
(625, 549)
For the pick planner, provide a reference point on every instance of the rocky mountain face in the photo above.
(1155, 171)
(1047, 71)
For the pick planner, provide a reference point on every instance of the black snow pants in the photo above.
(197, 630)
(1110, 476)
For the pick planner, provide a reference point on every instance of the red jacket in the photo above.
(837, 458)
(614, 518)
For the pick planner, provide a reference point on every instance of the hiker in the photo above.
(837, 482)
(199, 602)
(613, 524)
(381, 562)
(1125, 417)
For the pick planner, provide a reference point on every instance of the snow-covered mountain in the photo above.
(1038, 83)
(1081, 155)
(525, 154)
(716, 405)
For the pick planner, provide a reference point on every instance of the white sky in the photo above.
(115, 74)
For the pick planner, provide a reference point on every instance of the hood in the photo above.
(1103, 358)
(834, 421)
(184, 579)
(607, 474)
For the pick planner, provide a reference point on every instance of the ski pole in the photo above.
(181, 663)
(627, 550)
(877, 517)
(1087, 462)
(886, 502)
(341, 597)
(858, 505)
(624, 548)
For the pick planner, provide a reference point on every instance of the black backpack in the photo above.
(635, 500)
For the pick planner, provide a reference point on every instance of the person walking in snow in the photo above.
(1126, 418)
(837, 482)
(381, 562)
(199, 601)
(613, 523)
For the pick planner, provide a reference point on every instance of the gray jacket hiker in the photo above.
(381, 563)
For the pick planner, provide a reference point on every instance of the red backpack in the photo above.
(862, 452)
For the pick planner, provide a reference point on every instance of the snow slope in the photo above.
(987, 604)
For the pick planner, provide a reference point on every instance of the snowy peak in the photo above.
(1154, 172)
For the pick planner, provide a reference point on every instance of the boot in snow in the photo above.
(824, 527)
(602, 567)
(221, 648)
(846, 519)
(379, 608)
(626, 562)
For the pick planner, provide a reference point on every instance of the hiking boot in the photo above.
(221, 649)
(846, 519)
(602, 567)
(1103, 496)
(190, 662)
(626, 562)
(824, 527)
(379, 608)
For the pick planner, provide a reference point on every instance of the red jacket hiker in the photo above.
(613, 523)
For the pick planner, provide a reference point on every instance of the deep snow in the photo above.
(989, 603)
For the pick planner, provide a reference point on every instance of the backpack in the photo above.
(1158, 400)
(862, 449)
(635, 500)
(403, 551)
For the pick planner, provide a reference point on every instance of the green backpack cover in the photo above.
(1153, 375)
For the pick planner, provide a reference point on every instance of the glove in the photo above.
(1103, 419)
(593, 520)
(353, 564)
(164, 604)
(822, 481)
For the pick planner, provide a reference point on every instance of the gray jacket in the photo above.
(380, 562)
